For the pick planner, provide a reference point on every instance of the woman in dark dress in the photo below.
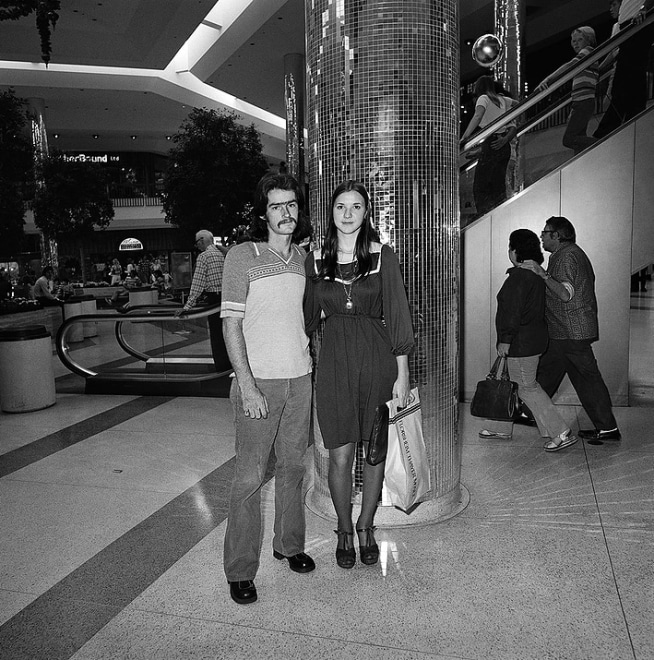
(355, 283)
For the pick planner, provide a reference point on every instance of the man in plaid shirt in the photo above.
(208, 280)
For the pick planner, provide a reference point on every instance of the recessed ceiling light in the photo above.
(95, 136)
(133, 137)
(55, 136)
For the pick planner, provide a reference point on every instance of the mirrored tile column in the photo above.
(383, 88)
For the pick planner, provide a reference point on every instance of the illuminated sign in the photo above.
(87, 158)
(130, 244)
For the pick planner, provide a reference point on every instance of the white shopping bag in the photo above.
(407, 468)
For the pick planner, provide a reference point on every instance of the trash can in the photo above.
(89, 306)
(26, 376)
(74, 308)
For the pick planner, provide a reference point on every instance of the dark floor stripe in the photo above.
(71, 435)
(58, 623)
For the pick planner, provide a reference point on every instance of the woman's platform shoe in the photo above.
(368, 548)
(345, 554)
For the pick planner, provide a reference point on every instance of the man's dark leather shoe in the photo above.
(300, 563)
(525, 420)
(243, 592)
(596, 434)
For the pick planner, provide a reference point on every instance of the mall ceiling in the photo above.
(114, 63)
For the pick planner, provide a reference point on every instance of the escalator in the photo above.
(541, 120)
(145, 350)
(606, 192)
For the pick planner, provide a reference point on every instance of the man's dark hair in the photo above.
(46, 270)
(258, 229)
(526, 245)
(563, 227)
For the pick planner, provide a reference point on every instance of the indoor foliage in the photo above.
(46, 18)
(212, 172)
(16, 168)
(73, 198)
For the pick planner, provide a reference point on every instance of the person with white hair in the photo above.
(208, 280)
(583, 42)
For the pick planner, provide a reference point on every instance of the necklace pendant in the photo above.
(349, 304)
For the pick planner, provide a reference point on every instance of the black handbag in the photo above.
(378, 443)
(496, 397)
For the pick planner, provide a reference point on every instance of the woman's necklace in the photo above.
(349, 304)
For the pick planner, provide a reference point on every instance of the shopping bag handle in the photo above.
(412, 398)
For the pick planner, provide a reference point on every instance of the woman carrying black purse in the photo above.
(522, 338)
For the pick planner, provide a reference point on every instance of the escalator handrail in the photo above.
(153, 311)
(63, 349)
(598, 53)
(525, 128)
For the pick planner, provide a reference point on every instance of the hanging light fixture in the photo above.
(488, 50)
(46, 18)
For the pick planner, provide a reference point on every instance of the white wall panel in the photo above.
(608, 195)
(643, 235)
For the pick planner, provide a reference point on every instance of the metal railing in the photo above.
(532, 101)
(535, 114)
(136, 314)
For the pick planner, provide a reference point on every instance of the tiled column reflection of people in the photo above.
(271, 394)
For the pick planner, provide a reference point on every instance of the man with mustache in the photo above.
(263, 325)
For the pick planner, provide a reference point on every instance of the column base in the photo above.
(426, 513)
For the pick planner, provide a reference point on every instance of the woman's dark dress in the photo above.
(357, 366)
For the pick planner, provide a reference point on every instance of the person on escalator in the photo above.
(489, 188)
(629, 87)
(208, 280)
(583, 42)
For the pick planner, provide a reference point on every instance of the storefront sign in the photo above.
(92, 158)
(130, 244)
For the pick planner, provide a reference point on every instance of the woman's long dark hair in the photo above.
(366, 236)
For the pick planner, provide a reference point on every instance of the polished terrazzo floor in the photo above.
(112, 511)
